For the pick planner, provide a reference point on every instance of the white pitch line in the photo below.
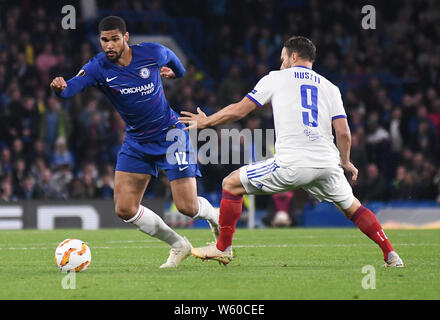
(240, 246)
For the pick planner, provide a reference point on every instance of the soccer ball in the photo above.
(72, 255)
(281, 219)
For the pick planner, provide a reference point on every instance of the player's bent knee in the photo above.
(189, 209)
(125, 212)
(350, 211)
(226, 184)
(231, 183)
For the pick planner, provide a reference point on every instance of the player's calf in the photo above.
(184, 191)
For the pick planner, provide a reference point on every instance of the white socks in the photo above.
(207, 211)
(151, 224)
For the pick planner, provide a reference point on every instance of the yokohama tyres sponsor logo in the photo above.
(145, 89)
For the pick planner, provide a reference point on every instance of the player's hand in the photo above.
(194, 121)
(58, 84)
(167, 73)
(352, 169)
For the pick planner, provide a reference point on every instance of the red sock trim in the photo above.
(229, 196)
(357, 214)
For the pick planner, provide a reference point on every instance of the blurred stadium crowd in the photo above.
(389, 78)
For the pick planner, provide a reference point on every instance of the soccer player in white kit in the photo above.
(306, 106)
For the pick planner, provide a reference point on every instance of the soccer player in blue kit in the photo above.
(130, 76)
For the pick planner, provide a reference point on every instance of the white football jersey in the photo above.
(304, 104)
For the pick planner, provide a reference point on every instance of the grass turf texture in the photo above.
(269, 264)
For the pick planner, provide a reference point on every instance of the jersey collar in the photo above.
(301, 67)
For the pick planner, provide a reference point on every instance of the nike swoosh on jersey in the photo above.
(184, 168)
(111, 79)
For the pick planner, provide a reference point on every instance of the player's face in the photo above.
(286, 61)
(113, 43)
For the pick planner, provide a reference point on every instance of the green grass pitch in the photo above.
(283, 264)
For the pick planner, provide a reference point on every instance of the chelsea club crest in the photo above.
(144, 73)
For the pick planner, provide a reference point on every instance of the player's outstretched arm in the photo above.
(231, 113)
(66, 89)
(343, 141)
(70, 88)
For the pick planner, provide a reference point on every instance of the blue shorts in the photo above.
(177, 157)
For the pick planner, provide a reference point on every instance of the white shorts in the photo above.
(325, 184)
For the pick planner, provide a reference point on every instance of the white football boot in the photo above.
(212, 253)
(393, 260)
(177, 255)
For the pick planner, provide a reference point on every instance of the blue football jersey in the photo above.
(135, 90)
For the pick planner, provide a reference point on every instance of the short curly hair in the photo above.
(112, 23)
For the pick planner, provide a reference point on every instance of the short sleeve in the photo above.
(337, 106)
(262, 92)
